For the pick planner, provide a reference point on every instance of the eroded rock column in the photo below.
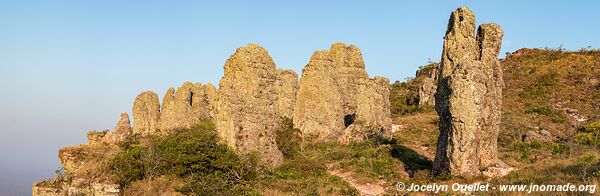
(146, 113)
(245, 105)
(468, 99)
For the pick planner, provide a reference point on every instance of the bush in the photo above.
(193, 154)
(288, 138)
(559, 148)
(542, 88)
(555, 116)
(128, 166)
(589, 134)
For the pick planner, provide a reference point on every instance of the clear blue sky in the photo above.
(67, 67)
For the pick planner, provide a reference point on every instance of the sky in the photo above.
(67, 67)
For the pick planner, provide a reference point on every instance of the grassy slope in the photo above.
(545, 90)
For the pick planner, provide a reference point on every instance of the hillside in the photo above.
(547, 91)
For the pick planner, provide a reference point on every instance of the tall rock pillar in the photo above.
(468, 99)
(246, 104)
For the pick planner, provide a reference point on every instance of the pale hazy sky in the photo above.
(67, 67)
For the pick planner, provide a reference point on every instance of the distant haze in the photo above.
(67, 67)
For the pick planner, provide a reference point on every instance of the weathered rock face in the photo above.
(49, 188)
(374, 104)
(121, 133)
(428, 87)
(184, 107)
(146, 113)
(286, 88)
(318, 111)
(335, 91)
(246, 104)
(468, 98)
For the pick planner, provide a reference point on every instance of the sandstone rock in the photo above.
(358, 132)
(428, 87)
(335, 91)
(121, 133)
(123, 125)
(318, 111)
(43, 188)
(96, 137)
(287, 88)
(184, 107)
(373, 102)
(245, 104)
(469, 97)
(146, 113)
(541, 136)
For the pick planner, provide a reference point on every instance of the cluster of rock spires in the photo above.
(334, 100)
(468, 98)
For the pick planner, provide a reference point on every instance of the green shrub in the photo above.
(555, 116)
(593, 127)
(559, 148)
(540, 109)
(193, 154)
(288, 138)
(541, 88)
(128, 166)
(589, 134)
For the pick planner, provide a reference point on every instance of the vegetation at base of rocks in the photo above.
(288, 138)
(194, 155)
(545, 90)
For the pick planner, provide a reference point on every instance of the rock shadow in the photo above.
(412, 160)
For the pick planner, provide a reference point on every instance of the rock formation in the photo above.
(318, 110)
(146, 113)
(184, 107)
(468, 98)
(122, 131)
(287, 87)
(84, 165)
(428, 86)
(245, 106)
(335, 92)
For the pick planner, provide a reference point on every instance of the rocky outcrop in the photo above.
(246, 104)
(184, 107)
(146, 113)
(335, 92)
(84, 165)
(286, 88)
(318, 111)
(121, 132)
(428, 86)
(48, 188)
(468, 98)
